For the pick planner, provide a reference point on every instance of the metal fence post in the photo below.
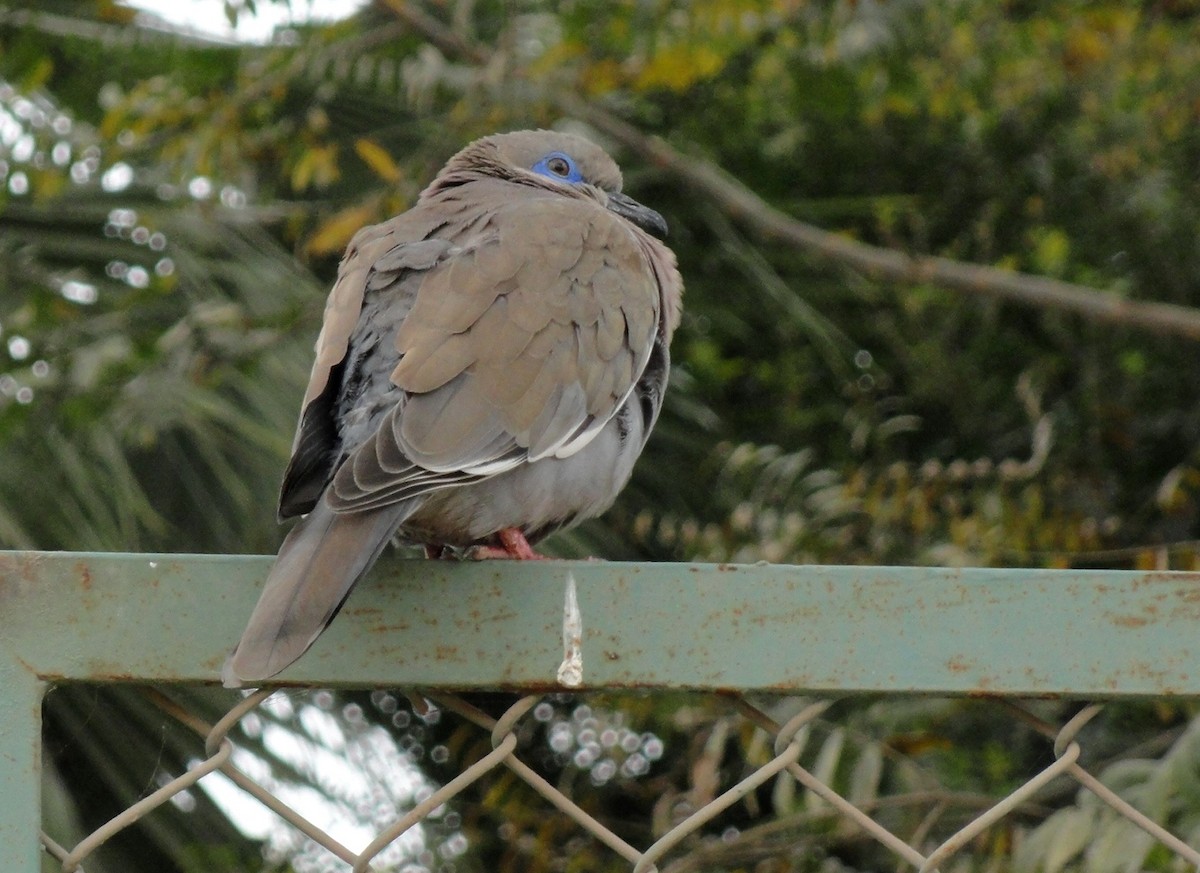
(20, 768)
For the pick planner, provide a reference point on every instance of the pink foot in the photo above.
(513, 546)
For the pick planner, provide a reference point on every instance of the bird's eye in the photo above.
(556, 165)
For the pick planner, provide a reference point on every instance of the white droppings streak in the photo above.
(570, 671)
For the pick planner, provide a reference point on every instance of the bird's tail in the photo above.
(319, 562)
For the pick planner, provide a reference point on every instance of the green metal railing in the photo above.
(432, 624)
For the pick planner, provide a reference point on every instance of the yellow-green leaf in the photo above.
(376, 157)
(335, 231)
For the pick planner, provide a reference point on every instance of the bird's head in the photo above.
(553, 160)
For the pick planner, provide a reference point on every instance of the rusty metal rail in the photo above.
(823, 630)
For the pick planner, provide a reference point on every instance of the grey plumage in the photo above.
(490, 366)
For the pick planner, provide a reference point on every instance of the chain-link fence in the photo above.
(787, 744)
(1074, 633)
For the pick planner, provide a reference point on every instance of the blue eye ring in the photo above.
(557, 165)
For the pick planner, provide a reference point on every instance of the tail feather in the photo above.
(320, 560)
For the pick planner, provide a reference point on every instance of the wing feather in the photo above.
(522, 341)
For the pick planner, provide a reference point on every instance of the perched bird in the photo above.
(489, 368)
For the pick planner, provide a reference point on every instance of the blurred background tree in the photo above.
(173, 205)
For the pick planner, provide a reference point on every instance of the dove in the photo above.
(489, 368)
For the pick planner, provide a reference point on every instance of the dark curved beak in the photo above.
(643, 216)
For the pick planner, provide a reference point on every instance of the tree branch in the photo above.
(875, 262)
(440, 37)
(890, 264)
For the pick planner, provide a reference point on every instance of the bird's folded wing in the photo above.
(381, 253)
(520, 345)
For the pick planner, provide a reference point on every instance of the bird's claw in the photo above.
(513, 546)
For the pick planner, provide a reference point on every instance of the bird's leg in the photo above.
(513, 546)
(432, 553)
(517, 546)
